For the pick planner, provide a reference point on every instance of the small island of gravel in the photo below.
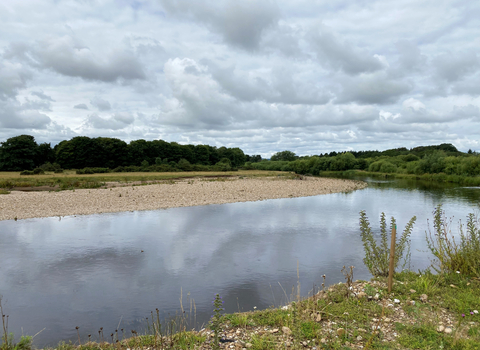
(169, 194)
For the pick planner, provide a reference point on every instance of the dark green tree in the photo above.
(284, 155)
(79, 152)
(18, 153)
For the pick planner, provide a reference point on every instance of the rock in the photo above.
(396, 301)
(288, 344)
(440, 329)
(361, 295)
(319, 318)
(323, 340)
(377, 296)
(286, 330)
(359, 338)
(341, 332)
(424, 298)
(248, 345)
(411, 302)
(413, 291)
(448, 330)
(275, 330)
(387, 320)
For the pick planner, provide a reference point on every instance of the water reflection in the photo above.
(104, 270)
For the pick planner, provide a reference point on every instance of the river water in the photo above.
(112, 270)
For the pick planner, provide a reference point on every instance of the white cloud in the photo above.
(261, 75)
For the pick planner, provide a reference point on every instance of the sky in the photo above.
(302, 75)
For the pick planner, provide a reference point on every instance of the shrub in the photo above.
(377, 257)
(452, 257)
(26, 172)
(38, 171)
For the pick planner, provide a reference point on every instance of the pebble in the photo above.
(25, 205)
(286, 330)
(424, 298)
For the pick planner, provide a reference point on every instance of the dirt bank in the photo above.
(23, 205)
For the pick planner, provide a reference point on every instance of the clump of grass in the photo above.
(8, 340)
(4, 191)
(377, 257)
(451, 256)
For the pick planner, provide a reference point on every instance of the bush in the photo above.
(38, 171)
(452, 257)
(26, 172)
(377, 257)
(224, 165)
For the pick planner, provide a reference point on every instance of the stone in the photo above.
(448, 330)
(413, 291)
(341, 332)
(286, 330)
(359, 338)
(319, 318)
(440, 328)
(275, 330)
(248, 345)
(396, 301)
(424, 298)
(377, 296)
(411, 302)
(361, 295)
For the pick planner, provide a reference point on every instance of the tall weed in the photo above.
(451, 256)
(377, 256)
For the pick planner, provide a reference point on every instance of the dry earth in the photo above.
(23, 205)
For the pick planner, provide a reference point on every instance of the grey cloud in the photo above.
(13, 77)
(101, 104)
(469, 86)
(281, 87)
(410, 56)
(336, 54)
(115, 122)
(414, 111)
(284, 39)
(42, 96)
(14, 115)
(240, 23)
(65, 57)
(81, 106)
(452, 67)
(377, 88)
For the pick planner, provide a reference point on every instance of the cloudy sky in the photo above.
(304, 75)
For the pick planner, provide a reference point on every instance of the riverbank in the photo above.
(423, 311)
(167, 194)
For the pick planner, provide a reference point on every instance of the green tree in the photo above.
(79, 152)
(284, 155)
(114, 152)
(18, 153)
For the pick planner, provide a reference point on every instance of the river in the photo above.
(112, 270)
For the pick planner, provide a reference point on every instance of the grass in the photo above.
(364, 316)
(70, 180)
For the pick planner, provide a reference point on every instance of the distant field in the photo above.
(69, 179)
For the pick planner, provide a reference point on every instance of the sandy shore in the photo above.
(23, 205)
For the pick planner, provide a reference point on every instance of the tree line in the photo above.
(436, 159)
(23, 153)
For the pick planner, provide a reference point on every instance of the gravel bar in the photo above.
(181, 193)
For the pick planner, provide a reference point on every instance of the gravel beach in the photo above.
(181, 193)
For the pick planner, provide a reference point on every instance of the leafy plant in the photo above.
(217, 320)
(463, 257)
(377, 257)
